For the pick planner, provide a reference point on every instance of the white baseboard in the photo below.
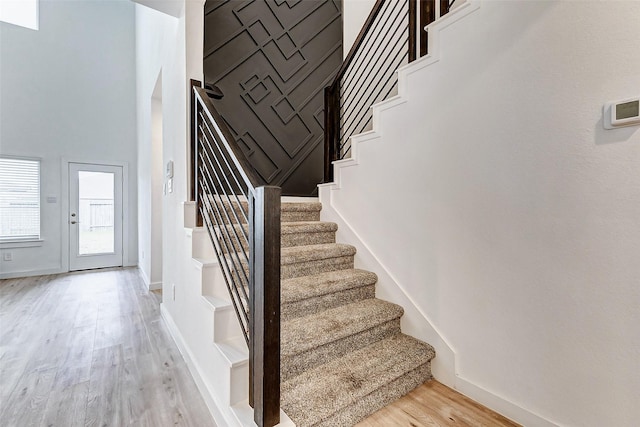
(144, 277)
(195, 370)
(30, 273)
(152, 286)
(155, 286)
(501, 405)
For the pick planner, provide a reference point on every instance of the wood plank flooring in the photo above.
(90, 349)
(435, 405)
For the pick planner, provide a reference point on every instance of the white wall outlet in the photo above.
(7, 256)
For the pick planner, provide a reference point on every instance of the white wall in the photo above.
(509, 214)
(150, 188)
(161, 52)
(172, 47)
(20, 12)
(68, 92)
(354, 13)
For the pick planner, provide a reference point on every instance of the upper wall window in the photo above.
(20, 12)
(19, 199)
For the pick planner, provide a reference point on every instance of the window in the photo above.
(19, 199)
(20, 12)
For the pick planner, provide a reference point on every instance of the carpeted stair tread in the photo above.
(302, 296)
(308, 227)
(298, 261)
(306, 333)
(301, 206)
(230, 211)
(301, 233)
(300, 211)
(301, 288)
(297, 254)
(343, 355)
(284, 206)
(357, 384)
(290, 227)
(306, 253)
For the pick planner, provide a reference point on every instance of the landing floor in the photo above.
(90, 349)
(435, 405)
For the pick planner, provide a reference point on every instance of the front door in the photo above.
(95, 216)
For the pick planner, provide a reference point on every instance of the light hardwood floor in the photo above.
(435, 405)
(90, 349)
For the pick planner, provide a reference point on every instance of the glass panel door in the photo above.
(95, 216)
(95, 213)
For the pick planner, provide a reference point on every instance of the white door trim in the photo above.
(64, 208)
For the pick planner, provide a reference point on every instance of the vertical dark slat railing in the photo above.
(242, 216)
(366, 67)
(427, 16)
(392, 35)
(413, 39)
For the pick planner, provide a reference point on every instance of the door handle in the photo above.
(73, 222)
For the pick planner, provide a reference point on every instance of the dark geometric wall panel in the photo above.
(272, 60)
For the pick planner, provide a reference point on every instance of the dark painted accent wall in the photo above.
(272, 60)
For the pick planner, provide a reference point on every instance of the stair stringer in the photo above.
(446, 366)
(415, 321)
(218, 359)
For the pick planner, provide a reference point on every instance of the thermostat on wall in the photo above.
(621, 113)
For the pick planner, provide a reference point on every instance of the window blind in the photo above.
(19, 199)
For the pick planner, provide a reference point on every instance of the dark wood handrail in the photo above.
(246, 170)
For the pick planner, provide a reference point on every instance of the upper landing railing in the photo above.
(393, 35)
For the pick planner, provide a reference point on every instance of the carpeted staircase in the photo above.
(343, 354)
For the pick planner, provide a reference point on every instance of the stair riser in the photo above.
(296, 364)
(201, 246)
(232, 213)
(228, 215)
(285, 216)
(301, 239)
(324, 302)
(213, 283)
(226, 326)
(298, 216)
(307, 268)
(380, 398)
(235, 243)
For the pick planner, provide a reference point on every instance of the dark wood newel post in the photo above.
(265, 294)
(332, 128)
(329, 154)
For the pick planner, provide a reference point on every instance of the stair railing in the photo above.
(242, 217)
(390, 38)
